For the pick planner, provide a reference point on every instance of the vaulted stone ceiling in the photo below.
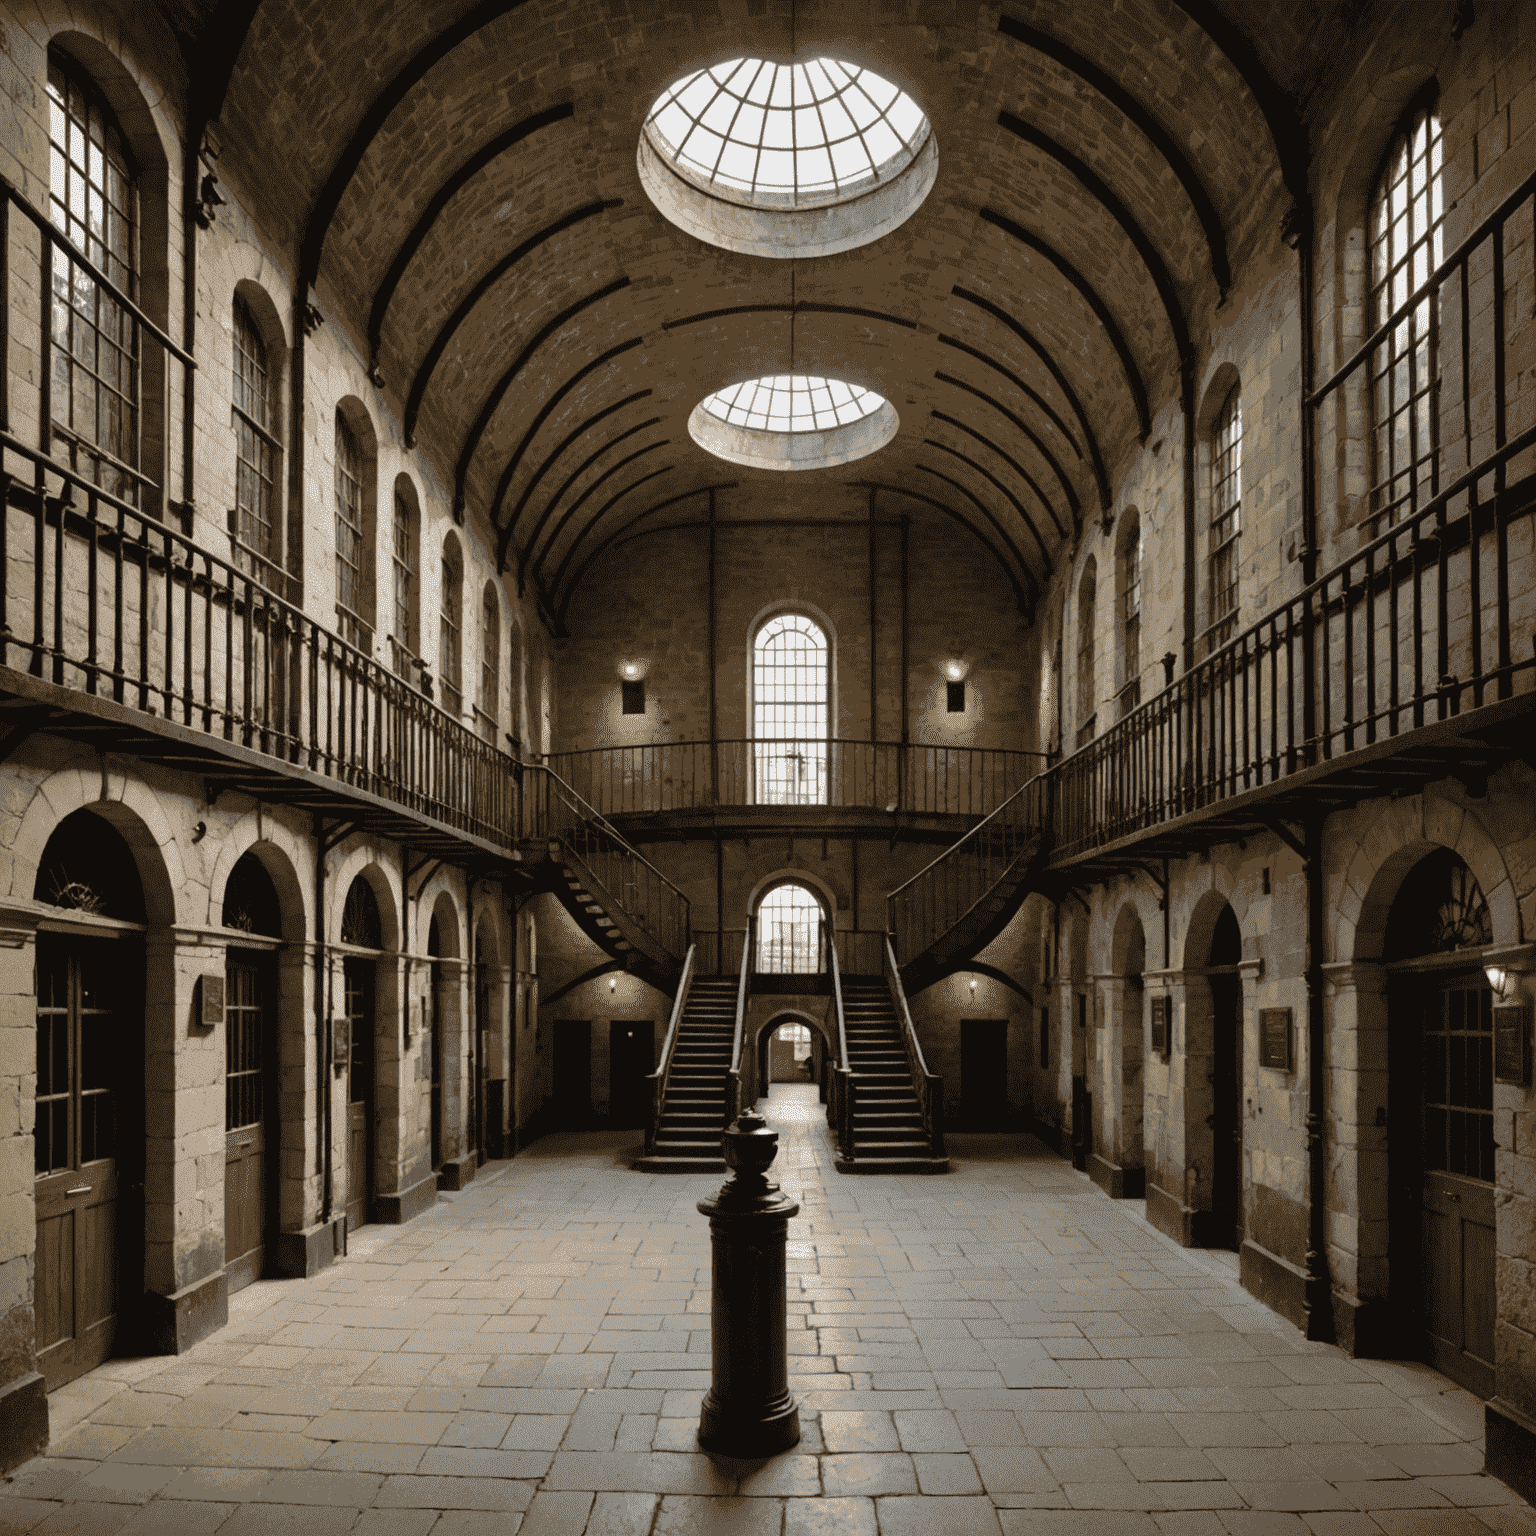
(460, 183)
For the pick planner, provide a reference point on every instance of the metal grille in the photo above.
(1087, 596)
(1407, 245)
(255, 446)
(1458, 1084)
(449, 630)
(790, 706)
(359, 1036)
(789, 932)
(349, 533)
(75, 1122)
(243, 1027)
(1226, 519)
(94, 399)
(814, 131)
(404, 567)
(490, 661)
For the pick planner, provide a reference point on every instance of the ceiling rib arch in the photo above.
(597, 517)
(1134, 381)
(802, 307)
(445, 334)
(476, 163)
(550, 458)
(570, 480)
(1003, 490)
(1018, 469)
(504, 383)
(1106, 501)
(1020, 426)
(1122, 215)
(576, 506)
(1111, 89)
(324, 211)
(1039, 400)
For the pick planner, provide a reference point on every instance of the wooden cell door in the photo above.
(435, 1051)
(1226, 1110)
(1457, 1224)
(631, 1060)
(84, 1062)
(359, 1008)
(573, 1073)
(250, 1141)
(984, 1074)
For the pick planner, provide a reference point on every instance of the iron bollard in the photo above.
(748, 1410)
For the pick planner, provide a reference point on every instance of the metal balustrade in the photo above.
(657, 777)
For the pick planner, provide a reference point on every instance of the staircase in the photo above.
(888, 1134)
(693, 1111)
(606, 921)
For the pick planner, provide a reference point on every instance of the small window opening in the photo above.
(956, 696)
(634, 697)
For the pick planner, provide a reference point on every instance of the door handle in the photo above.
(1448, 1195)
(240, 1146)
(80, 1189)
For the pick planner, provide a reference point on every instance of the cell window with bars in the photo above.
(789, 925)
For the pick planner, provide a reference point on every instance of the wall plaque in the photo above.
(1512, 1044)
(1276, 1039)
(1160, 1026)
(210, 1000)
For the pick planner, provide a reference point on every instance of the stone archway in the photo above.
(1116, 1164)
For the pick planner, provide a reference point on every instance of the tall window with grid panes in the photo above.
(490, 663)
(450, 629)
(1087, 597)
(349, 536)
(256, 447)
(93, 403)
(790, 712)
(1130, 616)
(1226, 522)
(402, 612)
(1407, 244)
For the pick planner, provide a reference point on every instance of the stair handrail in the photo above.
(743, 986)
(929, 1085)
(1015, 822)
(840, 1036)
(661, 1078)
(590, 817)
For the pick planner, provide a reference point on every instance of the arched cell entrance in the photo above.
(1213, 1074)
(361, 930)
(1118, 1163)
(251, 1137)
(1440, 1147)
(89, 1132)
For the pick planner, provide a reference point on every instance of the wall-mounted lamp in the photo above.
(1498, 979)
(956, 669)
(973, 987)
(613, 985)
(632, 669)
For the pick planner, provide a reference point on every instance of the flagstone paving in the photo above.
(999, 1351)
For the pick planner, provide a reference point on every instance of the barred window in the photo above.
(490, 661)
(255, 445)
(790, 682)
(1226, 519)
(1407, 245)
(1087, 596)
(789, 921)
(450, 628)
(402, 553)
(93, 199)
(1130, 617)
(349, 534)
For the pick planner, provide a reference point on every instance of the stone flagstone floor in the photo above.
(997, 1352)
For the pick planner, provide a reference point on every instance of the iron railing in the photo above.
(837, 1070)
(883, 775)
(743, 991)
(928, 1087)
(662, 1076)
(857, 952)
(630, 883)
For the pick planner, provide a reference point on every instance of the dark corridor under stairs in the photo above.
(694, 1107)
(888, 1132)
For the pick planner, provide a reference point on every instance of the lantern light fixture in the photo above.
(956, 669)
(613, 984)
(632, 669)
(1498, 979)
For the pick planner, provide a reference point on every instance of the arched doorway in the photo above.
(361, 929)
(1226, 983)
(89, 1132)
(251, 1136)
(435, 1041)
(790, 1048)
(1440, 1146)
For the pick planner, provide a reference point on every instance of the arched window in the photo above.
(360, 921)
(789, 921)
(791, 679)
(1226, 521)
(93, 199)
(450, 629)
(254, 416)
(1130, 614)
(402, 592)
(349, 534)
(1407, 244)
(1087, 595)
(490, 660)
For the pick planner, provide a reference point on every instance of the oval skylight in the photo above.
(792, 402)
(760, 157)
(793, 421)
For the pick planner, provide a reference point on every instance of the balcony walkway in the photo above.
(1004, 1350)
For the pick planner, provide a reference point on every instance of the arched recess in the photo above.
(281, 855)
(824, 1048)
(1122, 1120)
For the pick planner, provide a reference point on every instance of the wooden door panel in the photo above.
(245, 1205)
(96, 1288)
(357, 1165)
(1459, 1302)
(55, 1265)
